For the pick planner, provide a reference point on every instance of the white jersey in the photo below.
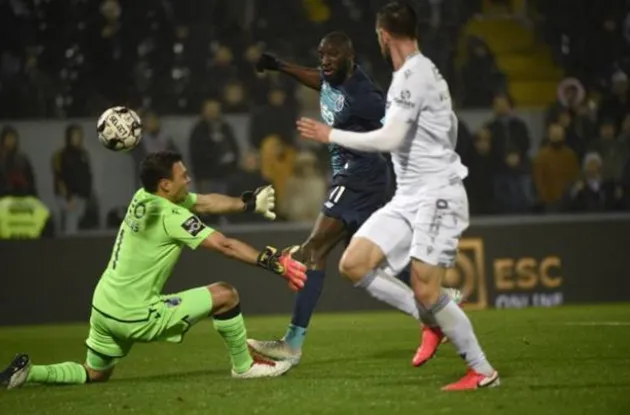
(419, 94)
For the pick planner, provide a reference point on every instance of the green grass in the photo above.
(353, 364)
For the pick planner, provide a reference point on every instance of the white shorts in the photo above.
(427, 228)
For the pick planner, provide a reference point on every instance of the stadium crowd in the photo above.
(72, 58)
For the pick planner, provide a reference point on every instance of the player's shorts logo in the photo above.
(468, 274)
(193, 225)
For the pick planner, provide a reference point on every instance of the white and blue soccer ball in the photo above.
(119, 129)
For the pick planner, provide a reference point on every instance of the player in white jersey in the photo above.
(426, 217)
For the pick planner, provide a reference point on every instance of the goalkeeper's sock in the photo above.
(303, 308)
(231, 327)
(458, 328)
(391, 291)
(61, 373)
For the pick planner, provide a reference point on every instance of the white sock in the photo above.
(457, 327)
(427, 318)
(391, 291)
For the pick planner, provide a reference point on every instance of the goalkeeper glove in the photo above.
(261, 200)
(284, 265)
(268, 62)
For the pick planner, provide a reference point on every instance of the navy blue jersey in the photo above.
(355, 105)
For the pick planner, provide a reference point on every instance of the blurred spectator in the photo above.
(571, 94)
(480, 75)
(513, 186)
(154, 139)
(31, 91)
(253, 79)
(464, 138)
(214, 151)
(305, 190)
(276, 163)
(613, 151)
(235, 98)
(592, 193)
(247, 177)
(112, 49)
(625, 185)
(72, 175)
(16, 171)
(577, 142)
(616, 105)
(624, 134)
(509, 135)
(555, 169)
(275, 118)
(482, 168)
(605, 45)
(222, 69)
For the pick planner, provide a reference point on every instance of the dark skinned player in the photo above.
(349, 100)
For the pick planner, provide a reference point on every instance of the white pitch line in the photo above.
(598, 323)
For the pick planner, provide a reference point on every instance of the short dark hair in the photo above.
(339, 39)
(157, 166)
(399, 19)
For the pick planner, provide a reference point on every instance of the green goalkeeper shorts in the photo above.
(167, 320)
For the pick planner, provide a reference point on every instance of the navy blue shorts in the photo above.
(353, 207)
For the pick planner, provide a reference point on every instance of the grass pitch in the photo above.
(570, 360)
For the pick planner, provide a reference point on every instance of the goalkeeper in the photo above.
(128, 307)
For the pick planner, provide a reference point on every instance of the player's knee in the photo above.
(352, 267)
(359, 259)
(98, 376)
(224, 297)
(426, 282)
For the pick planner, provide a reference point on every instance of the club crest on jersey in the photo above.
(193, 225)
(339, 103)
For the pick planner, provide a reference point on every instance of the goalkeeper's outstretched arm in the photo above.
(261, 200)
(280, 263)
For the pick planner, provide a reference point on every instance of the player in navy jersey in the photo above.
(349, 100)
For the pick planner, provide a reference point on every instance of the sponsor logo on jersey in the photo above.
(404, 100)
(193, 225)
(173, 301)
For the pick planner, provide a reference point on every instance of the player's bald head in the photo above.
(336, 57)
(338, 40)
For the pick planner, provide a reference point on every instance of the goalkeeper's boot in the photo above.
(16, 373)
(432, 337)
(275, 349)
(474, 380)
(263, 368)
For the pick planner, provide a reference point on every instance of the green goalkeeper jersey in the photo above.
(148, 245)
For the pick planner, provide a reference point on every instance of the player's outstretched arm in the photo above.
(386, 138)
(280, 263)
(309, 77)
(261, 200)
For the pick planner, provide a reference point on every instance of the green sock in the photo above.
(60, 373)
(231, 327)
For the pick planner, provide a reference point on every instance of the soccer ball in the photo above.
(119, 129)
